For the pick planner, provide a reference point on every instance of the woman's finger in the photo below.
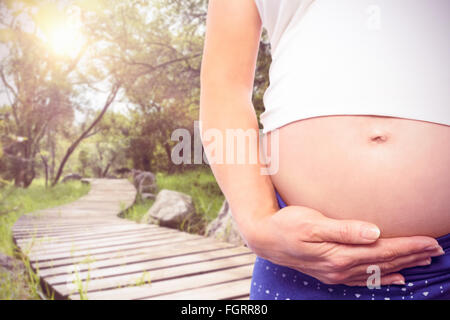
(390, 279)
(421, 259)
(361, 273)
(385, 250)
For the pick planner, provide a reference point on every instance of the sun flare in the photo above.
(65, 40)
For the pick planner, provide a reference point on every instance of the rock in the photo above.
(135, 173)
(147, 182)
(123, 171)
(148, 196)
(86, 180)
(171, 209)
(144, 181)
(72, 176)
(224, 227)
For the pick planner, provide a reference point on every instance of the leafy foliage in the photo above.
(142, 55)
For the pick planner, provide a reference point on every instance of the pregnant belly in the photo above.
(389, 171)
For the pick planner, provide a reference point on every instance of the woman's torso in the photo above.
(390, 171)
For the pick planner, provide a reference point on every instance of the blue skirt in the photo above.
(274, 282)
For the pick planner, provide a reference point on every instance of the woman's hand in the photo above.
(336, 251)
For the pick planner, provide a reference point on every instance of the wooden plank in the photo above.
(65, 237)
(62, 229)
(161, 252)
(82, 214)
(42, 219)
(224, 291)
(46, 247)
(156, 289)
(97, 235)
(138, 266)
(156, 275)
(60, 226)
(33, 223)
(64, 222)
(131, 245)
(86, 231)
(86, 240)
(59, 242)
(40, 265)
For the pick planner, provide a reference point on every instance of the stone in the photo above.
(123, 171)
(144, 181)
(148, 196)
(224, 227)
(72, 176)
(171, 209)
(135, 173)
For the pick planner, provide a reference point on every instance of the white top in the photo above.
(372, 57)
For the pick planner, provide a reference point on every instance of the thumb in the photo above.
(348, 231)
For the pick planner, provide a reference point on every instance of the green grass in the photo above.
(200, 184)
(15, 202)
(138, 210)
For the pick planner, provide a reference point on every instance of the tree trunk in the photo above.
(52, 146)
(45, 162)
(105, 172)
(18, 179)
(29, 177)
(169, 158)
(75, 144)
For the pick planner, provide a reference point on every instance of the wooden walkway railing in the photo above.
(83, 250)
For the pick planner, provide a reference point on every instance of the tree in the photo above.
(37, 85)
(105, 150)
(45, 87)
(85, 133)
(159, 45)
(145, 54)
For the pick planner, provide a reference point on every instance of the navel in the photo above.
(379, 138)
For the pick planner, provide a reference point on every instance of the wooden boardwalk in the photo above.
(84, 250)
